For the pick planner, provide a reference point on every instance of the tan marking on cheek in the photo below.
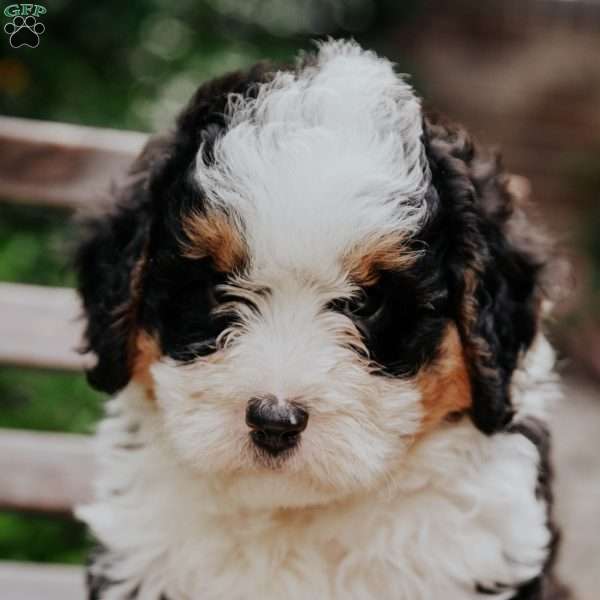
(445, 386)
(367, 260)
(214, 235)
(147, 353)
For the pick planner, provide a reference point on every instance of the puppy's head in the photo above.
(309, 275)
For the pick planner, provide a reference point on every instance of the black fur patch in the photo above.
(129, 265)
(492, 275)
(405, 325)
(545, 586)
(97, 583)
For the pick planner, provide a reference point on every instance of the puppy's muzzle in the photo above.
(276, 425)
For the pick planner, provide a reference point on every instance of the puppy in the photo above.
(319, 311)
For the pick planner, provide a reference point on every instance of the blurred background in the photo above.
(522, 75)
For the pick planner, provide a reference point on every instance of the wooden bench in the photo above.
(65, 166)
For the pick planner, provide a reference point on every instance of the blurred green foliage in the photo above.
(132, 64)
(41, 538)
(47, 401)
(123, 64)
(34, 245)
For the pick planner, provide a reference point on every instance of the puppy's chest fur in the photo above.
(463, 518)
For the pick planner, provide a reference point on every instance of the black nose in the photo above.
(276, 426)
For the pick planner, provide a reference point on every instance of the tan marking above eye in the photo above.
(445, 385)
(386, 253)
(214, 235)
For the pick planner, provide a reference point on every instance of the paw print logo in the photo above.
(24, 31)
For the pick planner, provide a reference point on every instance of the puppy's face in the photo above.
(319, 372)
(306, 282)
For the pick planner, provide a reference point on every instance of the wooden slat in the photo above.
(44, 471)
(59, 164)
(40, 327)
(26, 581)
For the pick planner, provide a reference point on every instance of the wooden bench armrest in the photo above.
(60, 164)
(41, 327)
(44, 471)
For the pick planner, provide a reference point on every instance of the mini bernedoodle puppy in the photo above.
(319, 308)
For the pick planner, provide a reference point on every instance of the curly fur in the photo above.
(312, 235)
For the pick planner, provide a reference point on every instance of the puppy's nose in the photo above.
(276, 426)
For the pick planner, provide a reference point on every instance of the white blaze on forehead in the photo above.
(321, 159)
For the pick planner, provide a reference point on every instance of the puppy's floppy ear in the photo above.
(497, 261)
(110, 263)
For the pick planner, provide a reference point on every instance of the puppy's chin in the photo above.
(271, 490)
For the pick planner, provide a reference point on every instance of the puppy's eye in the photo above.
(366, 304)
(200, 292)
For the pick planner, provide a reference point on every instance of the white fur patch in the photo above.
(350, 112)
